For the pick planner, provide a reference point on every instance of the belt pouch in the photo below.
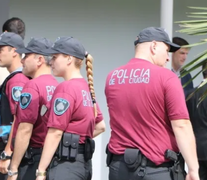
(74, 146)
(132, 159)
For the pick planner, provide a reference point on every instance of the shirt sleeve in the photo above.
(175, 100)
(13, 92)
(99, 117)
(61, 109)
(28, 109)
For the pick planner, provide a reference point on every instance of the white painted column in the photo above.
(4, 15)
(166, 19)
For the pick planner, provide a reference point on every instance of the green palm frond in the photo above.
(198, 8)
(195, 27)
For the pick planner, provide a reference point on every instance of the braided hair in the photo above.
(89, 70)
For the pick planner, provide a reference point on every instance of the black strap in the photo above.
(3, 86)
(5, 110)
(149, 163)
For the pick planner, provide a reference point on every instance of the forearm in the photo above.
(8, 145)
(21, 144)
(52, 141)
(96, 132)
(99, 128)
(186, 143)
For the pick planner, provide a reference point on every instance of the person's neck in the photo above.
(42, 71)
(15, 65)
(72, 74)
(175, 68)
(144, 57)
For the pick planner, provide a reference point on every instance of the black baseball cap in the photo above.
(37, 46)
(156, 34)
(69, 46)
(11, 39)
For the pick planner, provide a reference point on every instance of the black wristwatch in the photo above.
(4, 156)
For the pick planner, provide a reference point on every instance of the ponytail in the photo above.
(89, 70)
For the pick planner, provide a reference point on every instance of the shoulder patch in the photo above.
(25, 100)
(60, 106)
(16, 93)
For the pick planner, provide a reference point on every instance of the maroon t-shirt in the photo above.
(142, 99)
(33, 107)
(72, 109)
(13, 90)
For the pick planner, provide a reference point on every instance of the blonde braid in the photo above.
(89, 70)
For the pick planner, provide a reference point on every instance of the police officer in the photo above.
(148, 115)
(73, 115)
(10, 91)
(31, 125)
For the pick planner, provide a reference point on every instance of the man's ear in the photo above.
(40, 60)
(153, 47)
(14, 52)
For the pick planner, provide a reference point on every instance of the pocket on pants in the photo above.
(88, 168)
(157, 173)
(51, 173)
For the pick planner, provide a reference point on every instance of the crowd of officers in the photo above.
(47, 128)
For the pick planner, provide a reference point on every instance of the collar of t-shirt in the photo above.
(176, 72)
(18, 69)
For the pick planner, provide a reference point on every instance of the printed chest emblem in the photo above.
(25, 100)
(16, 93)
(60, 106)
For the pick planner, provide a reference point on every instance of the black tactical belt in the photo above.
(149, 163)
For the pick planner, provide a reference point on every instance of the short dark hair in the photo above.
(204, 68)
(15, 25)
(180, 41)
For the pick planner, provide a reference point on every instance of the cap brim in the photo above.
(23, 51)
(3, 44)
(173, 47)
(27, 51)
(51, 51)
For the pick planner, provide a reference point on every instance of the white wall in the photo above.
(4, 15)
(106, 28)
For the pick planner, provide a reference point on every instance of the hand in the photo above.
(41, 178)
(12, 177)
(4, 164)
(192, 176)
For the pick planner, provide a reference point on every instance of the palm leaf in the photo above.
(195, 27)
(190, 16)
(196, 60)
(196, 90)
(192, 79)
(184, 72)
(198, 8)
(198, 13)
(202, 98)
(195, 44)
(191, 21)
